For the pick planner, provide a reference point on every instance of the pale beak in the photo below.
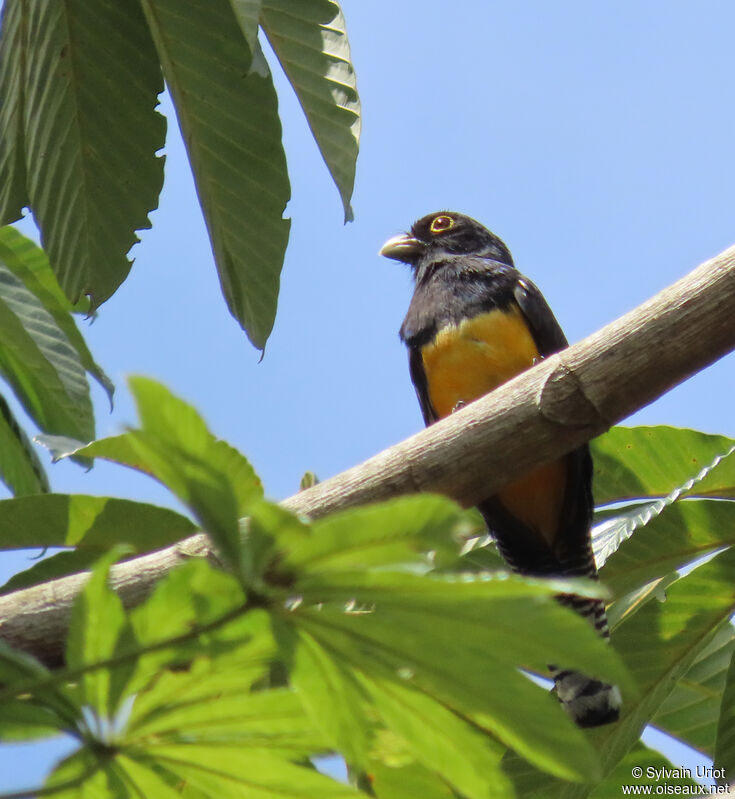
(402, 248)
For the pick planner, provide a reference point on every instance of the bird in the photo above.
(473, 323)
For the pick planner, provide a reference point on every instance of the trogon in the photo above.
(475, 322)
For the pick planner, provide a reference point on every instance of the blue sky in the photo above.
(595, 139)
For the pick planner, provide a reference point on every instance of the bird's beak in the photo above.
(402, 248)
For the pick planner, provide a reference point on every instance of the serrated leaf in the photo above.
(29, 263)
(40, 364)
(641, 462)
(677, 535)
(93, 60)
(228, 116)
(310, 39)
(20, 467)
(174, 445)
(13, 179)
(78, 520)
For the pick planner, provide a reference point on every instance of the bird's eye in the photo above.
(441, 223)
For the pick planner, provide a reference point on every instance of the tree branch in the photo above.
(537, 417)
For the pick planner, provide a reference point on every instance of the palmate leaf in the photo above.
(93, 60)
(310, 39)
(228, 117)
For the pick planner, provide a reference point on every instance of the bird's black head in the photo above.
(446, 233)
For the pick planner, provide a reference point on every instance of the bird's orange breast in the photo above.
(468, 360)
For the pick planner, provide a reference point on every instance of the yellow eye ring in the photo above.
(440, 224)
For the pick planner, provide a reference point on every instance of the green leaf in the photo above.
(140, 773)
(39, 708)
(452, 641)
(442, 741)
(649, 762)
(408, 782)
(29, 263)
(691, 711)
(400, 532)
(641, 462)
(328, 692)
(174, 445)
(228, 116)
(97, 628)
(233, 771)
(724, 755)
(77, 520)
(272, 719)
(40, 364)
(478, 608)
(94, 61)
(13, 179)
(310, 39)
(679, 534)
(20, 467)
(659, 644)
(28, 720)
(85, 775)
(90, 524)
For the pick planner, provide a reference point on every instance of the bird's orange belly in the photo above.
(468, 360)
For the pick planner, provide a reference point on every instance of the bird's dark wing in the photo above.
(540, 319)
(418, 377)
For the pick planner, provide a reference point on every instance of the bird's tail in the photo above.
(588, 701)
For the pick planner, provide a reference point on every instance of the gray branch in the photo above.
(543, 413)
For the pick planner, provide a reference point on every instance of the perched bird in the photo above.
(475, 322)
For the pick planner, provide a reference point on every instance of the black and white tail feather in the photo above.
(588, 701)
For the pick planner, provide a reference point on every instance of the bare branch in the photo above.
(537, 417)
